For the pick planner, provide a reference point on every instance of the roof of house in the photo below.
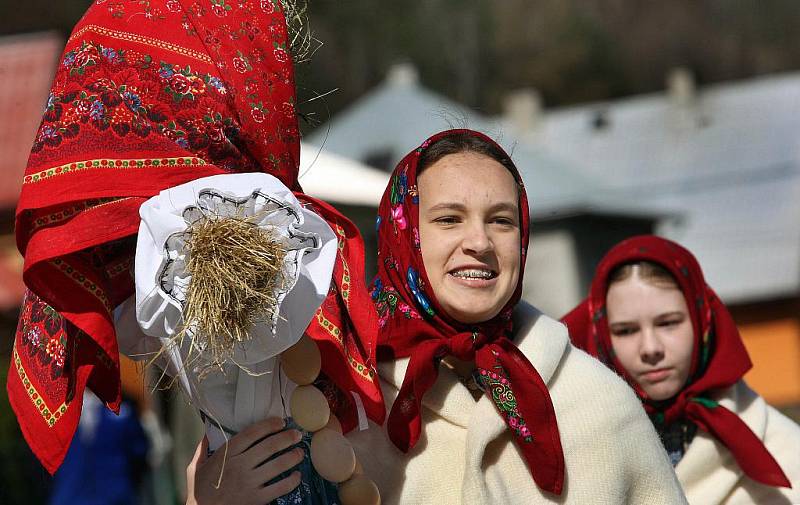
(392, 119)
(728, 160)
(338, 179)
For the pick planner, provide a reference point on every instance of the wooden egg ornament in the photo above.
(310, 408)
(302, 362)
(332, 455)
(359, 491)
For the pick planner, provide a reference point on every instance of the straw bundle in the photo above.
(302, 42)
(236, 271)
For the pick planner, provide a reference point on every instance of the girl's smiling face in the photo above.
(469, 227)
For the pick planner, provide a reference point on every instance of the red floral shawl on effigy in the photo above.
(719, 358)
(149, 95)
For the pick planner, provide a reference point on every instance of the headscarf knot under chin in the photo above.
(463, 345)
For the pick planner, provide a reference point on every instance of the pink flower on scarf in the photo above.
(398, 218)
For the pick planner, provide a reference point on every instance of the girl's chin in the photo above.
(471, 306)
(661, 393)
(469, 315)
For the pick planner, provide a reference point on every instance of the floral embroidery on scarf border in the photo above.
(499, 387)
(50, 355)
(117, 9)
(414, 194)
(387, 302)
(334, 331)
(399, 189)
(127, 102)
(385, 299)
(345, 289)
(51, 416)
(417, 289)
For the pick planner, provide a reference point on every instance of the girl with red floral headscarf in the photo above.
(487, 400)
(651, 317)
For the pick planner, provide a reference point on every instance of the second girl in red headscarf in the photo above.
(651, 317)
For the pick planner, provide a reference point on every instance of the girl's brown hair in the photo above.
(459, 143)
(650, 272)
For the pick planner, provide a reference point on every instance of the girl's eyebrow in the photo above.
(500, 206)
(621, 323)
(660, 316)
(449, 206)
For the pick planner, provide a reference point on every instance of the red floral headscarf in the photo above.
(412, 323)
(147, 96)
(719, 358)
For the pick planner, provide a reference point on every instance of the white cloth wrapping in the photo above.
(251, 385)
